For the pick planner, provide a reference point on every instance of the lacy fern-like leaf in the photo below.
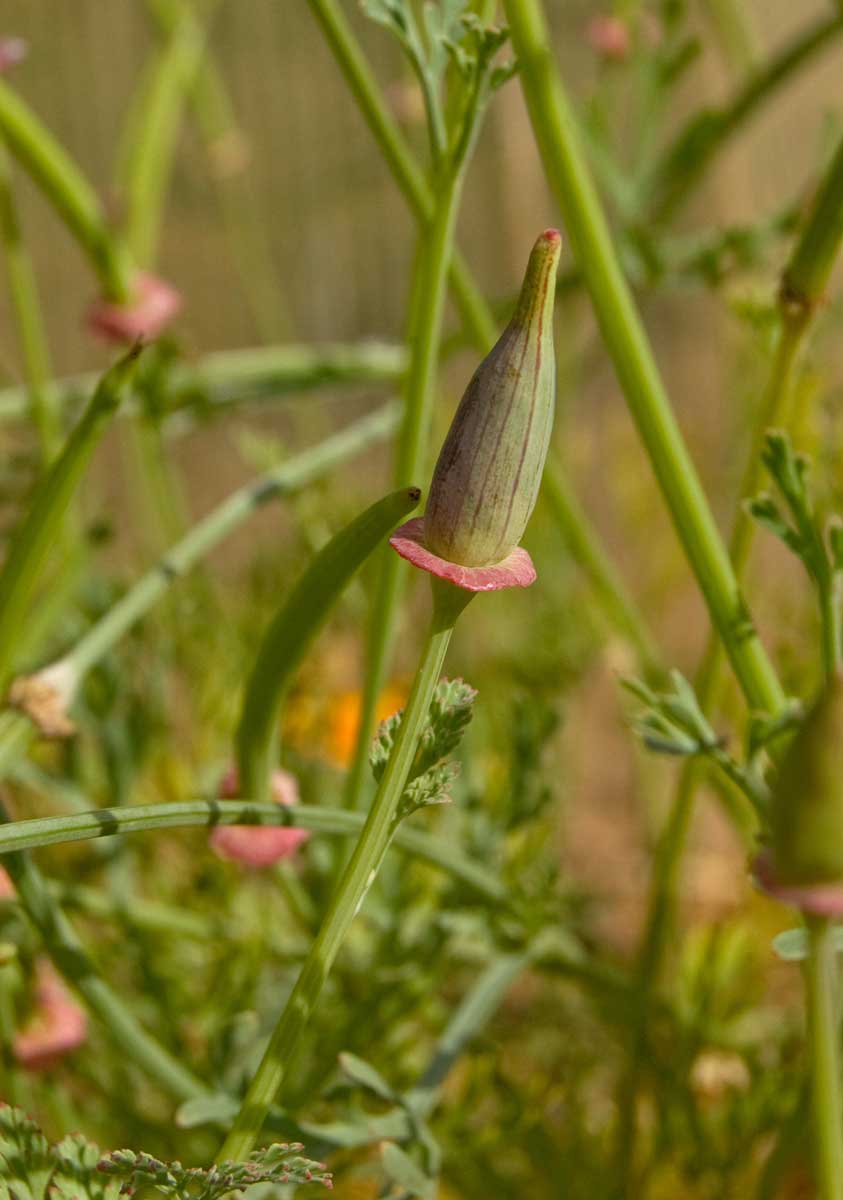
(430, 778)
(279, 1163)
(32, 1169)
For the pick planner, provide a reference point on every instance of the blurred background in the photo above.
(287, 227)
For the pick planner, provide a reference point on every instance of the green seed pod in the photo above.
(806, 814)
(487, 478)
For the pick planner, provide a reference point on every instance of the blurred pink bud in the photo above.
(258, 845)
(7, 888)
(12, 51)
(154, 304)
(58, 1025)
(609, 37)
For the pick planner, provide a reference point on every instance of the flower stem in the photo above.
(68, 190)
(824, 1034)
(37, 832)
(23, 293)
(627, 343)
(358, 876)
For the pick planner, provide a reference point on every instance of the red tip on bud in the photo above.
(153, 306)
(609, 37)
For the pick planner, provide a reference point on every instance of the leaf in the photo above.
(365, 1075)
(207, 1110)
(791, 945)
(303, 612)
(402, 1170)
(26, 1161)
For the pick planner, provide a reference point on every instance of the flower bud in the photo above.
(487, 479)
(805, 863)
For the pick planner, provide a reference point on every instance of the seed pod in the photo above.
(805, 863)
(487, 479)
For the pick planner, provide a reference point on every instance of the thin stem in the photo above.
(737, 35)
(627, 342)
(37, 832)
(427, 310)
(69, 191)
(150, 161)
(231, 377)
(588, 552)
(824, 1034)
(357, 878)
(228, 152)
(26, 307)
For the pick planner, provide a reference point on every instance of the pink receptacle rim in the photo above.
(516, 570)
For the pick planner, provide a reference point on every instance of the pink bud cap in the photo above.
(257, 845)
(516, 570)
(58, 1026)
(153, 306)
(609, 37)
(7, 888)
(12, 51)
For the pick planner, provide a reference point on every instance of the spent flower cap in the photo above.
(486, 481)
(259, 846)
(154, 304)
(804, 864)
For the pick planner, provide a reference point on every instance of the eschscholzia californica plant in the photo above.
(259, 846)
(484, 489)
(487, 478)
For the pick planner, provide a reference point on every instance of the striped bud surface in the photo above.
(806, 813)
(487, 479)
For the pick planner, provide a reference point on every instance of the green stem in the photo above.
(23, 293)
(824, 1034)
(736, 32)
(149, 165)
(232, 377)
(227, 150)
(38, 832)
(358, 876)
(589, 553)
(69, 191)
(626, 340)
(427, 311)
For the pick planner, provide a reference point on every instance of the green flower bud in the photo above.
(806, 814)
(487, 478)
